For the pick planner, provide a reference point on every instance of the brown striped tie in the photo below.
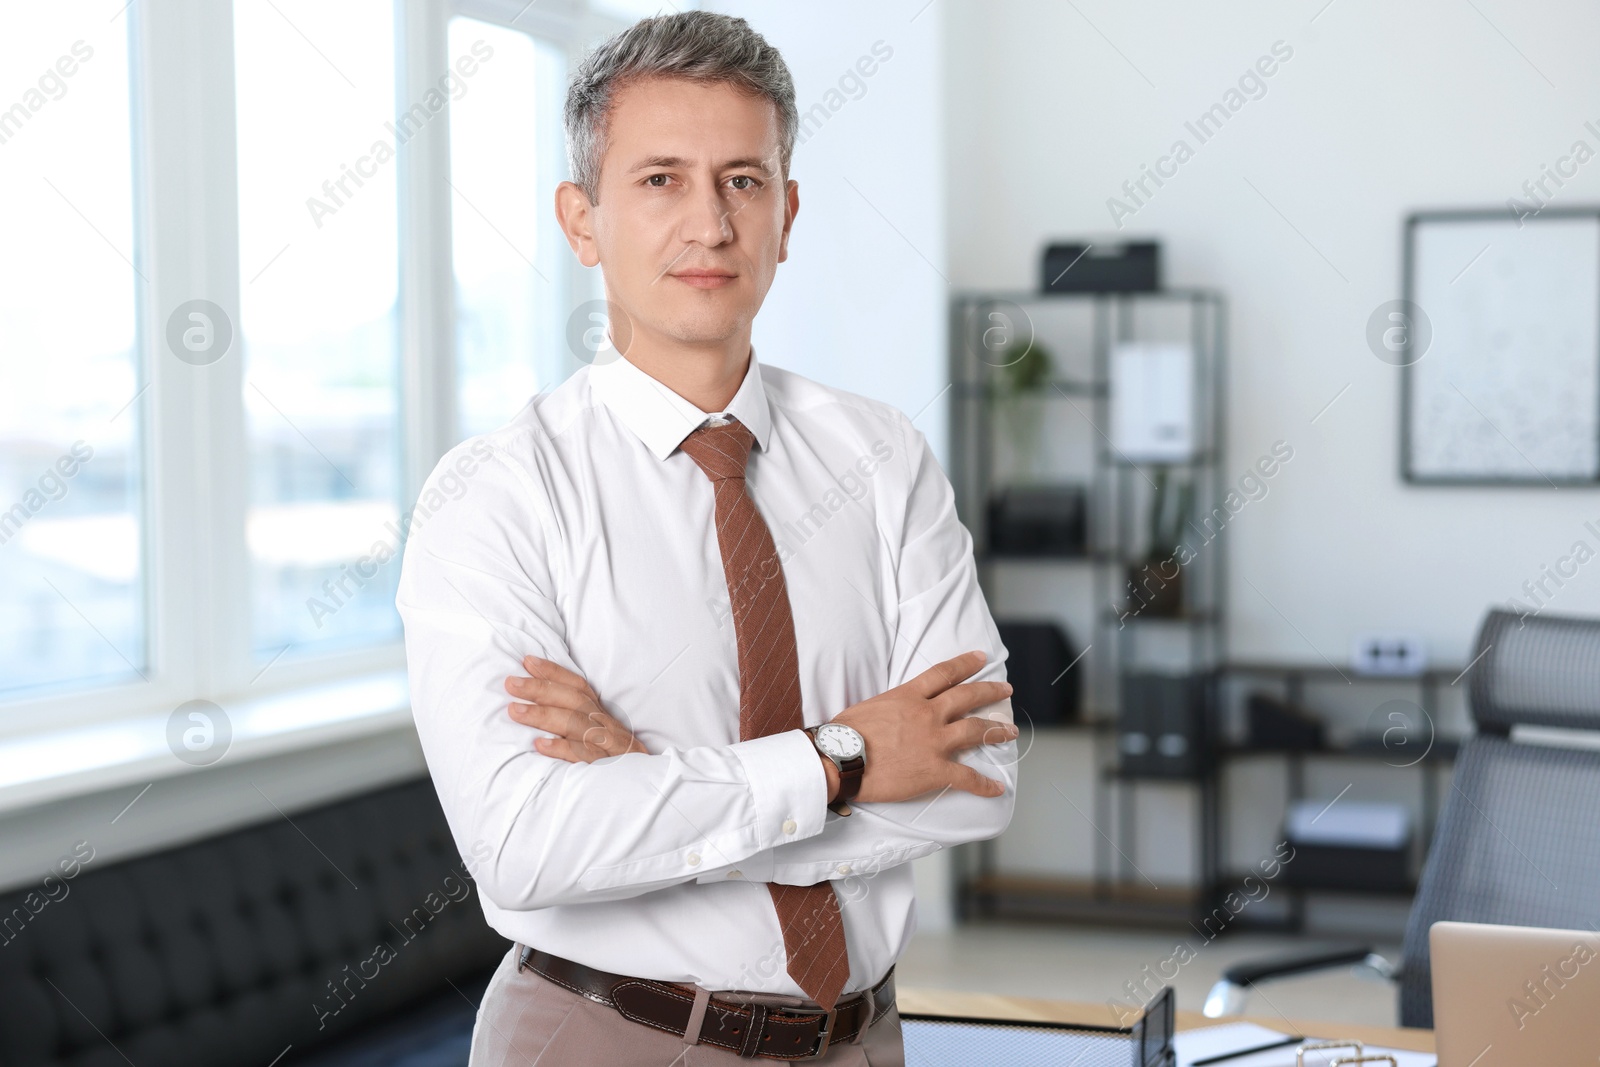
(769, 687)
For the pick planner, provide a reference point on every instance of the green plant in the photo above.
(1019, 390)
(1027, 367)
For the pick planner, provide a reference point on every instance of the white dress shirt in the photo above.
(580, 534)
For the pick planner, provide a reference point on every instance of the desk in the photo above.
(1027, 1009)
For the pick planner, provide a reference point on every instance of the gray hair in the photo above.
(700, 45)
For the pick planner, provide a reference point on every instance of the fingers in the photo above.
(556, 694)
(941, 676)
(563, 722)
(562, 703)
(588, 729)
(976, 730)
(562, 749)
(953, 703)
(549, 670)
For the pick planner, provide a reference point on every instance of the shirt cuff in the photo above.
(756, 867)
(788, 785)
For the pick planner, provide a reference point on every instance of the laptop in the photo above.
(1515, 996)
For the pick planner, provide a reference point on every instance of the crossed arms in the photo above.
(563, 806)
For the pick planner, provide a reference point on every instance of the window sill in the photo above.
(43, 767)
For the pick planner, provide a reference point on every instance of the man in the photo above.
(676, 562)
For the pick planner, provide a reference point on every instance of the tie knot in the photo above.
(720, 451)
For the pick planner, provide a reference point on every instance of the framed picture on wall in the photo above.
(1498, 340)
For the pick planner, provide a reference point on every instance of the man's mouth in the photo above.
(704, 278)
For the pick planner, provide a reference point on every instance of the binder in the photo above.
(959, 1041)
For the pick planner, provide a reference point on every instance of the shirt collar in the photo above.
(661, 418)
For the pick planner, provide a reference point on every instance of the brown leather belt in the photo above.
(770, 1031)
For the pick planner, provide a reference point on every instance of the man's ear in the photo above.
(791, 208)
(574, 213)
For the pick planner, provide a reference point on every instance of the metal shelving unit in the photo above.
(1081, 330)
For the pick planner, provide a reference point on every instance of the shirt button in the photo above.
(843, 868)
(693, 859)
(789, 826)
(735, 874)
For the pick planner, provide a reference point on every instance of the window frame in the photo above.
(191, 443)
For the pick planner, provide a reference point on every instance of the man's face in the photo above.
(693, 216)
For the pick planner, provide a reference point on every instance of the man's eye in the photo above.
(655, 183)
(750, 182)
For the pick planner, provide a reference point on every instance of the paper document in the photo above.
(1191, 1045)
(930, 1043)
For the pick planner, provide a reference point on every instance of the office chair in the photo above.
(1518, 841)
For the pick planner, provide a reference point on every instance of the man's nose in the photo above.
(707, 220)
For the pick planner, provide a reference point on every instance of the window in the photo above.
(264, 262)
(319, 269)
(509, 256)
(72, 603)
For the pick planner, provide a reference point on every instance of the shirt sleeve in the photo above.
(941, 613)
(475, 595)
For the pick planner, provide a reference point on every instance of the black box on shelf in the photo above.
(1044, 691)
(1348, 844)
(1280, 726)
(1164, 726)
(1106, 267)
(1366, 870)
(1038, 520)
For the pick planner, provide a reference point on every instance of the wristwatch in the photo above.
(848, 751)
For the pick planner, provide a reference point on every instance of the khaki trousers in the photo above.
(527, 1020)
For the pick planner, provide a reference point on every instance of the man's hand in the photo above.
(914, 731)
(561, 702)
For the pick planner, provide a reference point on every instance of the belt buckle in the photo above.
(824, 1033)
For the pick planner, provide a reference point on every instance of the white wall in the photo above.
(1381, 110)
(861, 302)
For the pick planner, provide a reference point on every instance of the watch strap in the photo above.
(850, 772)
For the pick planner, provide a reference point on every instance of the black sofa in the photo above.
(346, 936)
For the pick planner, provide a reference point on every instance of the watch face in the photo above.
(839, 741)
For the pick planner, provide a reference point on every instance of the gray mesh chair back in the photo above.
(1518, 841)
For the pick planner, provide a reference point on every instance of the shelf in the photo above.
(1201, 459)
(1063, 898)
(1061, 389)
(1111, 558)
(1444, 750)
(1088, 327)
(1117, 774)
(1020, 557)
(1323, 670)
(1161, 295)
(1199, 618)
(1077, 726)
(1352, 891)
